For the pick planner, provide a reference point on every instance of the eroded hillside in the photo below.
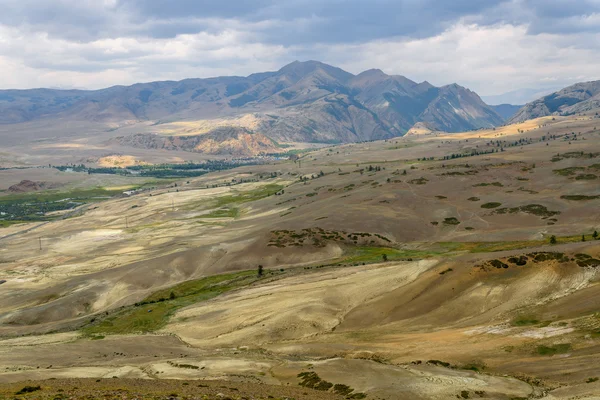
(430, 266)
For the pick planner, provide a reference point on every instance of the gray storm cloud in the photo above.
(488, 45)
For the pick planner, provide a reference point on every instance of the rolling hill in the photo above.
(432, 266)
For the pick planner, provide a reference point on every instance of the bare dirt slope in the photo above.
(409, 268)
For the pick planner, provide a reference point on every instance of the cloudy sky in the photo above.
(490, 46)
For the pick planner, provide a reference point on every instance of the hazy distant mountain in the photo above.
(574, 99)
(520, 96)
(506, 111)
(302, 102)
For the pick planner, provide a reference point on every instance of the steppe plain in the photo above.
(392, 270)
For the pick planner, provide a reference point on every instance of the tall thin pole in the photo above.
(40, 239)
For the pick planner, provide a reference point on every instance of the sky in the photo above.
(489, 46)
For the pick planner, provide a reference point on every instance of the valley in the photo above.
(430, 266)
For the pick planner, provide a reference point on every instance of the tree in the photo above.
(172, 295)
(260, 270)
(552, 239)
(595, 235)
(583, 238)
(384, 257)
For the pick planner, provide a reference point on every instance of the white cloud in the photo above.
(37, 59)
(489, 59)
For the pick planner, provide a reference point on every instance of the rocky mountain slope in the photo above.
(574, 99)
(302, 102)
(232, 141)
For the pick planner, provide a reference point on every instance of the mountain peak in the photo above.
(300, 69)
(373, 72)
(303, 101)
(303, 66)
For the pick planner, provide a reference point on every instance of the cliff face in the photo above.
(238, 142)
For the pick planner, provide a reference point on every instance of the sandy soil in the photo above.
(527, 330)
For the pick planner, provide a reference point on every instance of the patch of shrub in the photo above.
(491, 205)
(453, 173)
(439, 363)
(586, 177)
(343, 390)
(524, 321)
(567, 171)
(473, 199)
(579, 197)
(313, 381)
(186, 366)
(29, 389)
(497, 184)
(473, 367)
(548, 256)
(552, 350)
(521, 260)
(498, 264)
(585, 260)
(451, 221)
(533, 209)
(420, 181)
(323, 385)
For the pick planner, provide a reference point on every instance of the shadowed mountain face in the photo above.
(506, 111)
(302, 102)
(574, 99)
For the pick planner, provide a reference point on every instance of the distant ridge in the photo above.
(506, 111)
(577, 98)
(302, 102)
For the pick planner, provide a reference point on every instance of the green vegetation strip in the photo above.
(371, 254)
(251, 195)
(491, 205)
(552, 350)
(487, 247)
(579, 197)
(27, 207)
(154, 312)
(6, 224)
(232, 212)
(58, 195)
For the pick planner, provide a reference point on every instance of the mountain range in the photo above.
(577, 98)
(520, 96)
(302, 102)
